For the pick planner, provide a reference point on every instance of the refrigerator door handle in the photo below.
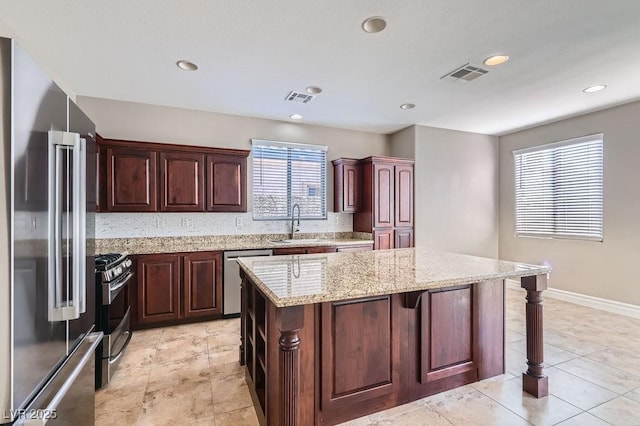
(80, 224)
(95, 339)
(60, 143)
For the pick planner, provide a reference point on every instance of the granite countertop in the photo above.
(314, 278)
(225, 242)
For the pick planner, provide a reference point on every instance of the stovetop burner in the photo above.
(111, 265)
(106, 259)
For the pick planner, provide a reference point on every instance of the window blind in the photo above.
(286, 174)
(559, 189)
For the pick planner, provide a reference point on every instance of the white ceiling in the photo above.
(251, 53)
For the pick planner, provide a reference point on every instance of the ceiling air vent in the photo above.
(464, 74)
(303, 98)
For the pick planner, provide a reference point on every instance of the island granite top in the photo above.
(315, 278)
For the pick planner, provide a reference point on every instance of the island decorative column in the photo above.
(289, 321)
(534, 381)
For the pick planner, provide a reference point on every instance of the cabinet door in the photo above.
(404, 195)
(383, 195)
(158, 288)
(359, 350)
(131, 180)
(226, 183)
(202, 284)
(383, 239)
(446, 334)
(346, 186)
(182, 188)
(404, 237)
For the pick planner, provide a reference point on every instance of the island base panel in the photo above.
(311, 342)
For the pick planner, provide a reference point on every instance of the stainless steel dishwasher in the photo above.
(231, 285)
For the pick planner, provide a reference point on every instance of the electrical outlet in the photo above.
(239, 222)
(186, 223)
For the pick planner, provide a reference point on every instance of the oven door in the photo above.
(116, 325)
(113, 348)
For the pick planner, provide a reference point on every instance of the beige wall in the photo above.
(456, 188)
(607, 269)
(127, 120)
(403, 143)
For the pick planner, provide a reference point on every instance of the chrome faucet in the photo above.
(293, 219)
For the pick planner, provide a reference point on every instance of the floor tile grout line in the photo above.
(609, 366)
(587, 380)
(499, 403)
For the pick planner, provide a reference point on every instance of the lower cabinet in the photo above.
(404, 237)
(176, 288)
(383, 239)
(359, 353)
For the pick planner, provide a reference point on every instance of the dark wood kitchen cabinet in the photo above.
(226, 183)
(346, 185)
(158, 288)
(152, 177)
(386, 201)
(202, 284)
(131, 180)
(182, 185)
(403, 237)
(178, 288)
(403, 179)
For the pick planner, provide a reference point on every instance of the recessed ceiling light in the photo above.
(313, 90)
(375, 24)
(295, 117)
(186, 65)
(596, 88)
(407, 106)
(496, 60)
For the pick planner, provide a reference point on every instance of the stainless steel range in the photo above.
(113, 310)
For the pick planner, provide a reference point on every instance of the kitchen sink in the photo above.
(301, 241)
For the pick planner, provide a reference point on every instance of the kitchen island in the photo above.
(331, 337)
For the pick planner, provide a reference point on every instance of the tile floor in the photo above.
(189, 375)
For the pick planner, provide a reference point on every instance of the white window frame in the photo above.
(547, 205)
(295, 149)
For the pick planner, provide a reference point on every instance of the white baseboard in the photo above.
(589, 301)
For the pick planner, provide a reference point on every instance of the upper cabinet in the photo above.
(131, 180)
(182, 188)
(151, 177)
(346, 185)
(403, 195)
(226, 183)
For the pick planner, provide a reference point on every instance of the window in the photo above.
(286, 174)
(559, 189)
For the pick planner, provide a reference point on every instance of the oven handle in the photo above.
(109, 294)
(124, 281)
(115, 359)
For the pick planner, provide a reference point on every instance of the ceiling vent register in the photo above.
(302, 98)
(464, 74)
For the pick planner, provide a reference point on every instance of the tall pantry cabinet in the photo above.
(385, 202)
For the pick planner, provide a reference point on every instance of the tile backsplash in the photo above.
(134, 225)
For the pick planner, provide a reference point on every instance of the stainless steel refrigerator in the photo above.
(48, 348)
